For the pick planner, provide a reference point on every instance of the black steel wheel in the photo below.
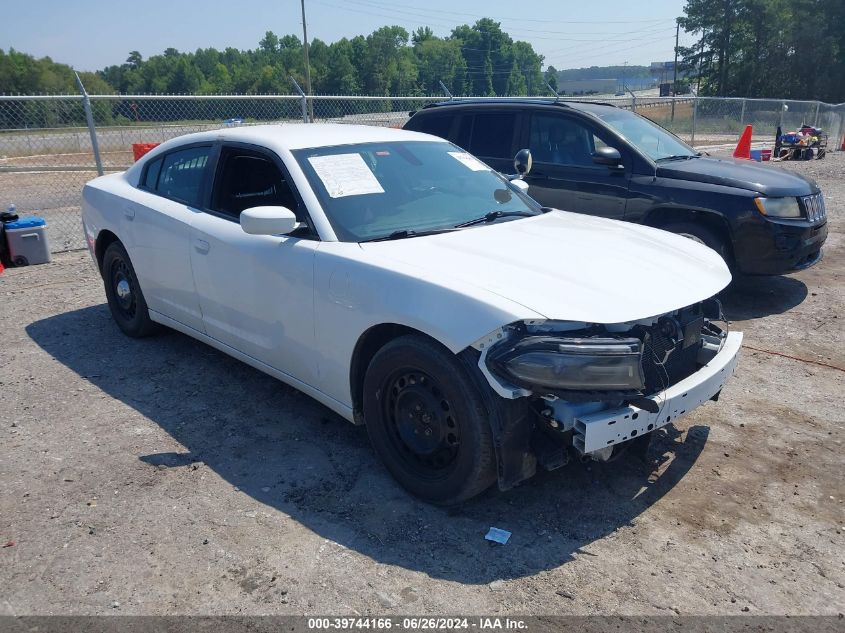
(126, 301)
(426, 421)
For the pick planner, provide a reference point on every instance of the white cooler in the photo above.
(27, 241)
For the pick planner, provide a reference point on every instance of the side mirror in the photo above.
(609, 156)
(522, 162)
(268, 221)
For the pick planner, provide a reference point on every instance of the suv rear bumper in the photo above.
(596, 431)
(772, 248)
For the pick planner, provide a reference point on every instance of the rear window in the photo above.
(492, 134)
(151, 175)
(182, 173)
(437, 124)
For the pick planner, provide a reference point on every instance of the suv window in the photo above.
(492, 134)
(438, 125)
(248, 179)
(181, 174)
(561, 140)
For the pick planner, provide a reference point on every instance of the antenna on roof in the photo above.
(445, 89)
(553, 91)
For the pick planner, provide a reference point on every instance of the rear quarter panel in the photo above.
(103, 202)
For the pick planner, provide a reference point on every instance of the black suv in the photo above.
(598, 159)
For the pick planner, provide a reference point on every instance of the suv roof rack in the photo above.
(456, 101)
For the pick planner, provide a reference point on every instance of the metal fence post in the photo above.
(89, 117)
(694, 117)
(304, 100)
(816, 117)
(742, 115)
(633, 101)
(782, 110)
(445, 89)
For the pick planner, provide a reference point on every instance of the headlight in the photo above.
(584, 364)
(778, 207)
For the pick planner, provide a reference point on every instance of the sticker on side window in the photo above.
(345, 175)
(469, 160)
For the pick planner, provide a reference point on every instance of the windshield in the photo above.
(648, 137)
(374, 190)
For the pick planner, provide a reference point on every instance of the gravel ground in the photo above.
(162, 477)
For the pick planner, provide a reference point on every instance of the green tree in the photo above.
(516, 82)
(269, 43)
(134, 60)
(767, 48)
(550, 76)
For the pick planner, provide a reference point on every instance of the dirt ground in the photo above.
(162, 477)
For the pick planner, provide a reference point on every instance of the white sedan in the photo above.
(403, 284)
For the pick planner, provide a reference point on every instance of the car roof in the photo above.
(292, 136)
(584, 106)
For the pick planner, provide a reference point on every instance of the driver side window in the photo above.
(560, 140)
(248, 179)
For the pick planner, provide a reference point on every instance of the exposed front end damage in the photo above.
(589, 389)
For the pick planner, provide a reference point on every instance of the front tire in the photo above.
(702, 235)
(123, 292)
(427, 422)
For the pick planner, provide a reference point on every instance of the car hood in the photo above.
(742, 174)
(567, 266)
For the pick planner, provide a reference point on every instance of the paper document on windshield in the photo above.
(469, 160)
(345, 175)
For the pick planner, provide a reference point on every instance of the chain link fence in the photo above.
(47, 147)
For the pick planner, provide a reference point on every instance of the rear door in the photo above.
(564, 175)
(169, 197)
(491, 135)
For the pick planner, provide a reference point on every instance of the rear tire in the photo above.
(126, 301)
(702, 235)
(427, 421)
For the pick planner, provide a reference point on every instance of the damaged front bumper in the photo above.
(597, 431)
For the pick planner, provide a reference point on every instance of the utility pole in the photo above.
(624, 68)
(307, 65)
(674, 68)
(700, 62)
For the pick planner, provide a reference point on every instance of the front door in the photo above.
(564, 175)
(256, 291)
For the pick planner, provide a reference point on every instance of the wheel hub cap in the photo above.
(424, 426)
(124, 290)
(419, 425)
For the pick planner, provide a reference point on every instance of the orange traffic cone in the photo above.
(843, 144)
(743, 148)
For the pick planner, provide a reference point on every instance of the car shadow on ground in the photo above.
(289, 452)
(757, 297)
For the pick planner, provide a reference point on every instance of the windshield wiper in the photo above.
(401, 234)
(678, 157)
(492, 216)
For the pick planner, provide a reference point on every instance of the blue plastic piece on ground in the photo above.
(498, 536)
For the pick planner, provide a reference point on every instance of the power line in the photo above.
(417, 13)
(515, 19)
(400, 14)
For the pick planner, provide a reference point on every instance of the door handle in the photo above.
(202, 246)
(129, 211)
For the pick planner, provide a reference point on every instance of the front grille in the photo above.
(814, 208)
(679, 364)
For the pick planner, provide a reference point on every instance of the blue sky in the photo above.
(91, 34)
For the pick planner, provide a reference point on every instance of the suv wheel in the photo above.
(702, 235)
